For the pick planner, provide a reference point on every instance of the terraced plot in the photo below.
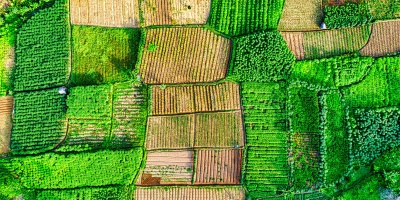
(175, 12)
(183, 55)
(116, 13)
(195, 98)
(301, 15)
(6, 107)
(163, 168)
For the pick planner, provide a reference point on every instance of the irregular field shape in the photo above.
(195, 98)
(191, 192)
(183, 55)
(175, 12)
(294, 41)
(163, 168)
(6, 107)
(301, 15)
(219, 166)
(108, 13)
(385, 39)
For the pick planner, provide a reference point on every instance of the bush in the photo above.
(348, 15)
(261, 57)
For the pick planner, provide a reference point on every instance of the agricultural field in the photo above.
(199, 99)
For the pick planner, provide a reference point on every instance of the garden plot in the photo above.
(301, 15)
(6, 107)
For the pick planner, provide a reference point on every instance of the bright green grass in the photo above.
(5, 84)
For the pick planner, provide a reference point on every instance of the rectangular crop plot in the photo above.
(195, 98)
(115, 13)
(218, 166)
(163, 168)
(175, 12)
(303, 15)
(294, 41)
(6, 107)
(183, 55)
(190, 192)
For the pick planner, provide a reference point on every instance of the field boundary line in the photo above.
(197, 112)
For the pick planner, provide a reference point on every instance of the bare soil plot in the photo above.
(163, 168)
(221, 129)
(184, 55)
(175, 12)
(294, 41)
(190, 192)
(6, 107)
(385, 39)
(170, 132)
(108, 13)
(218, 166)
(301, 15)
(195, 98)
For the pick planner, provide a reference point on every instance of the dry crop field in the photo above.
(6, 107)
(304, 15)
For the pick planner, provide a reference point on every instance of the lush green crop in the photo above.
(261, 57)
(39, 121)
(240, 17)
(81, 193)
(42, 50)
(384, 9)
(5, 83)
(317, 72)
(351, 70)
(348, 15)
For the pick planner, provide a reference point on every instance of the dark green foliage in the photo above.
(388, 161)
(240, 17)
(304, 111)
(373, 132)
(106, 193)
(42, 50)
(39, 121)
(348, 15)
(350, 70)
(261, 57)
(335, 150)
(103, 55)
(266, 170)
(368, 188)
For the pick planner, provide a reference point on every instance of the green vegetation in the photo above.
(351, 70)
(239, 17)
(384, 9)
(42, 50)
(103, 55)
(317, 72)
(348, 15)
(261, 57)
(86, 193)
(39, 121)
(369, 189)
(5, 83)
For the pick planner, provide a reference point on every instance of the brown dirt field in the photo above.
(218, 166)
(174, 167)
(108, 13)
(175, 12)
(189, 193)
(195, 98)
(184, 55)
(222, 129)
(385, 39)
(294, 41)
(170, 132)
(301, 15)
(6, 107)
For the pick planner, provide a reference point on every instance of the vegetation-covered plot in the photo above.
(239, 17)
(190, 192)
(175, 12)
(301, 15)
(384, 39)
(61, 171)
(218, 166)
(74, 194)
(384, 9)
(163, 168)
(116, 13)
(6, 107)
(265, 118)
(42, 50)
(195, 98)
(7, 56)
(103, 55)
(39, 122)
(183, 55)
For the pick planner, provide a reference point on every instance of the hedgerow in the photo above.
(348, 15)
(261, 57)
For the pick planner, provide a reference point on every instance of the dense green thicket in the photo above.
(369, 188)
(389, 164)
(240, 17)
(261, 57)
(103, 55)
(348, 15)
(42, 50)
(39, 121)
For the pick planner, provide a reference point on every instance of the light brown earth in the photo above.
(6, 107)
(190, 192)
(165, 168)
(294, 41)
(218, 166)
(301, 15)
(385, 39)
(195, 98)
(183, 55)
(175, 12)
(108, 13)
